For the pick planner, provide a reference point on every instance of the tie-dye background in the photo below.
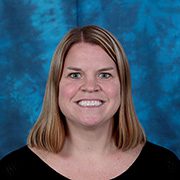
(148, 30)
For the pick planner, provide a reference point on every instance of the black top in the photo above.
(153, 162)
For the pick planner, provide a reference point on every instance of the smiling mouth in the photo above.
(90, 103)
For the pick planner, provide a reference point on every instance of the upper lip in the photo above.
(91, 99)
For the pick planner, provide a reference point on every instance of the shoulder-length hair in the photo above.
(49, 131)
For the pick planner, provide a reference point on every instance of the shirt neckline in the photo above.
(131, 167)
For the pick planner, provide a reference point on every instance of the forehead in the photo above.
(89, 54)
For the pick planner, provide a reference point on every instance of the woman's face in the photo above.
(89, 90)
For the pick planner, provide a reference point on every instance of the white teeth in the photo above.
(89, 103)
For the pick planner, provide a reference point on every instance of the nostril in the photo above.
(90, 86)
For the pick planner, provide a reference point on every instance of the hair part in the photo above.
(50, 130)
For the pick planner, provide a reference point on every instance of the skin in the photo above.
(89, 74)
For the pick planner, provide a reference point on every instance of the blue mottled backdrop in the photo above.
(149, 31)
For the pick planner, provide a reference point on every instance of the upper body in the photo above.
(88, 126)
(152, 162)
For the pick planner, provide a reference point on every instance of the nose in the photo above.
(90, 85)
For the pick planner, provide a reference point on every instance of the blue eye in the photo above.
(105, 75)
(75, 75)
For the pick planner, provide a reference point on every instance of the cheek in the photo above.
(67, 90)
(113, 90)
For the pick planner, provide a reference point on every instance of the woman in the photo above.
(88, 128)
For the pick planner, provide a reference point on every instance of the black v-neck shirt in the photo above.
(153, 162)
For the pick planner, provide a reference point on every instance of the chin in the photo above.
(91, 123)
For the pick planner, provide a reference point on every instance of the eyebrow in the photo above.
(106, 69)
(79, 69)
(74, 68)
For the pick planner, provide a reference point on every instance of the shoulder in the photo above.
(16, 154)
(160, 159)
(161, 152)
(14, 161)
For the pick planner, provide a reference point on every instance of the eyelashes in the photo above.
(78, 75)
(105, 75)
(75, 75)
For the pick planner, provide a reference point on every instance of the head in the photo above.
(50, 130)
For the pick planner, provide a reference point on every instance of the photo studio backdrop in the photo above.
(148, 30)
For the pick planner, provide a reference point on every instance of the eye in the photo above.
(75, 75)
(105, 75)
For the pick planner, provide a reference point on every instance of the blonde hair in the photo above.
(49, 131)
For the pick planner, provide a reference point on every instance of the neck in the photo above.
(89, 140)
